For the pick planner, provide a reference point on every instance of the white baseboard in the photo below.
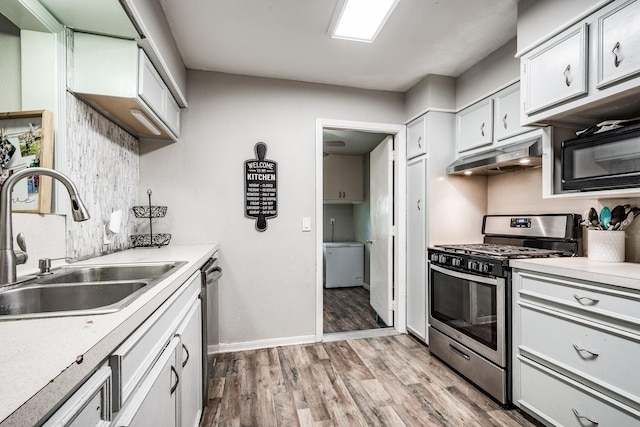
(256, 345)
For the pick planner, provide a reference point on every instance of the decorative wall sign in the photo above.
(261, 187)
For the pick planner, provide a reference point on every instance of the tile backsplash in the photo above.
(102, 159)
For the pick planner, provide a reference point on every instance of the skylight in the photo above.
(361, 20)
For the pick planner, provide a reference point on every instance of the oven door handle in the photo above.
(464, 276)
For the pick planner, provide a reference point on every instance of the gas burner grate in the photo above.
(506, 251)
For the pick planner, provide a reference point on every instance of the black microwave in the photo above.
(602, 161)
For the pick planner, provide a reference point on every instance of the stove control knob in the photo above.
(442, 259)
(485, 267)
(473, 265)
(434, 257)
(456, 262)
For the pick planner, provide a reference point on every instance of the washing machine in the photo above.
(343, 264)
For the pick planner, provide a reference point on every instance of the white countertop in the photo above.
(624, 274)
(42, 359)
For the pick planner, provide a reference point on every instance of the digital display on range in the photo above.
(520, 222)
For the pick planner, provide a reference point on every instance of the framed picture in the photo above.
(26, 140)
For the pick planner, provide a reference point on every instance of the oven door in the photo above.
(470, 309)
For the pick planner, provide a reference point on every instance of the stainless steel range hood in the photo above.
(508, 158)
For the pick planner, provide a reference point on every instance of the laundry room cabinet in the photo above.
(343, 178)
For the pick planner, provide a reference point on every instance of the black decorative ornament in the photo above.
(261, 187)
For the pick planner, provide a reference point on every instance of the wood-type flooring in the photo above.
(383, 381)
(347, 309)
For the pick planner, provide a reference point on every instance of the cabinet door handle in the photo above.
(482, 128)
(589, 301)
(186, 350)
(577, 414)
(504, 121)
(175, 386)
(580, 350)
(420, 139)
(616, 58)
(566, 75)
(419, 205)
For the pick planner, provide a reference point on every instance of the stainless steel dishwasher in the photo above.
(211, 273)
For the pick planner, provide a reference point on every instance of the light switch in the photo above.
(306, 223)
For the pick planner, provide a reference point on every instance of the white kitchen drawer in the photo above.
(556, 72)
(561, 401)
(416, 138)
(131, 361)
(151, 88)
(619, 44)
(591, 300)
(89, 406)
(593, 353)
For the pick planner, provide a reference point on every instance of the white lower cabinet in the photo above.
(89, 406)
(190, 334)
(160, 365)
(576, 344)
(155, 401)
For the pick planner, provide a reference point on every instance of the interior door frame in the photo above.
(399, 188)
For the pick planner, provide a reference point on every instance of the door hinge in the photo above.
(393, 230)
(394, 305)
(393, 156)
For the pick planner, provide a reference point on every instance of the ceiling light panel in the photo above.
(360, 20)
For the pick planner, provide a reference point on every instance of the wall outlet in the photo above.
(332, 221)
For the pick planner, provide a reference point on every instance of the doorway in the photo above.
(362, 228)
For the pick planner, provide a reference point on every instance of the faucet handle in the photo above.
(21, 256)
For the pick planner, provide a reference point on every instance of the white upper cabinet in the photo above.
(587, 73)
(619, 44)
(556, 71)
(416, 142)
(475, 126)
(507, 113)
(117, 77)
(490, 123)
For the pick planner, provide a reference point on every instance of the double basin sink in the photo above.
(82, 289)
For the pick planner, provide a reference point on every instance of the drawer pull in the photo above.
(577, 414)
(175, 386)
(616, 60)
(566, 75)
(589, 301)
(580, 350)
(186, 350)
(459, 353)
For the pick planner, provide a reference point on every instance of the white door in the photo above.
(381, 241)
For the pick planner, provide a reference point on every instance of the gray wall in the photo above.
(362, 219)
(537, 19)
(343, 229)
(490, 74)
(268, 290)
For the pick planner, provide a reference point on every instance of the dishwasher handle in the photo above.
(214, 275)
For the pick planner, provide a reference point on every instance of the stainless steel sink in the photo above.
(82, 290)
(102, 273)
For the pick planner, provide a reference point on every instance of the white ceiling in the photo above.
(287, 39)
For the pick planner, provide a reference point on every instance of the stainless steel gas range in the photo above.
(470, 293)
